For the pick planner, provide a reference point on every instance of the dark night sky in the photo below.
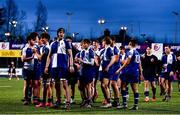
(154, 16)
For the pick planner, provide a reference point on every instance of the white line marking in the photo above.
(5, 86)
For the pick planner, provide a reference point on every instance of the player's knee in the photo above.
(153, 85)
(113, 85)
(48, 85)
(161, 83)
(135, 90)
(92, 85)
(35, 84)
(102, 85)
(106, 86)
(65, 86)
(113, 82)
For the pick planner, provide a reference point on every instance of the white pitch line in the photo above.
(5, 86)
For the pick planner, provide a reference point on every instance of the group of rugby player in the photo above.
(60, 64)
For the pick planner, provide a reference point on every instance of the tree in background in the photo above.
(14, 21)
(2, 13)
(41, 20)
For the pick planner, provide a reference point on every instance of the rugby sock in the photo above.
(119, 89)
(44, 94)
(154, 92)
(44, 91)
(39, 100)
(72, 97)
(127, 90)
(116, 100)
(85, 99)
(123, 93)
(88, 101)
(59, 100)
(162, 90)
(49, 100)
(52, 99)
(108, 100)
(35, 99)
(146, 93)
(29, 93)
(136, 99)
(26, 94)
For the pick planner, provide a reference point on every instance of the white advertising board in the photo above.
(4, 71)
(157, 50)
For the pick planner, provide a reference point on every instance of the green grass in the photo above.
(10, 102)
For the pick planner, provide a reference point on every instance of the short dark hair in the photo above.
(86, 41)
(69, 37)
(168, 46)
(148, 47)
(133, 42)
(32, 36)
(96, 41)
(113, 38)
(60, 29)
(55, 38)
(45, 35)
(108, 40)
(122, 48)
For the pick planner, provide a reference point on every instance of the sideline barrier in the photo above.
(10, 53)
(4, 71)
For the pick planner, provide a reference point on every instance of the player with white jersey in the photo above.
(61, 59)
(167, 73)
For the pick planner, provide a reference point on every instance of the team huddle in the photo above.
(60, 65)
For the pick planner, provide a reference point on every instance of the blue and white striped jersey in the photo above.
(133, 66)
(123, 57)
(27, 52)
(44, 51)
(59, 53)
(105, 56)
(87, 56)
(167, 61)
(116, 51)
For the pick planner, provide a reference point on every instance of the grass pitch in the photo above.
(11, 95)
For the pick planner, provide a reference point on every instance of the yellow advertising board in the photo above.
(10, 53)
